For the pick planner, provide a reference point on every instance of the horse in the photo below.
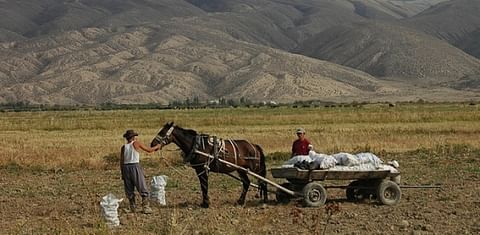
(240, 152)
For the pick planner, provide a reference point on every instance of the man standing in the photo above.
(301, 145)
(132, 173)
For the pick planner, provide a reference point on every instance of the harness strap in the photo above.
(234, 151)
(255, 154)
(254, 149)
(215, 151)
(169, 132)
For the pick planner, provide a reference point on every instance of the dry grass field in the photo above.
(56, 166)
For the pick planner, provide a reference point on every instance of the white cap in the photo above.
(300, 130)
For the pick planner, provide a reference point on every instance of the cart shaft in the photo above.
(288, 191)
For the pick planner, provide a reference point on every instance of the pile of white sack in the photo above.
(343, 161)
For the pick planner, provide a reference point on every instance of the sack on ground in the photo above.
(109, 206)
(158, 189)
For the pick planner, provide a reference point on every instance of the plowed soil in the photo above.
(49, 201)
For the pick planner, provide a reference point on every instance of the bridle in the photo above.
(167, 139)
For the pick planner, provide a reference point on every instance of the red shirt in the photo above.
(300, 147)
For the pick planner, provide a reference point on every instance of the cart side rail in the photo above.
(299, 174)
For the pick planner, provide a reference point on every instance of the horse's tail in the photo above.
(263, 173)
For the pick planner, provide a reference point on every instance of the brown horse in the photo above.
(239, 152)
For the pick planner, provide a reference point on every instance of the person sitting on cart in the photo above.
(301, 146)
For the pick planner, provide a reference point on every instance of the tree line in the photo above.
(191, 103)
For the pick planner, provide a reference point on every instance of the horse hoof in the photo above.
(204, 205)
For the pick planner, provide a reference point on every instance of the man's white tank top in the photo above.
(130, 154)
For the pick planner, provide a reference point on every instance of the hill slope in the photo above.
(387, 50)
(141, 65)
(456, 22)
(140, 51)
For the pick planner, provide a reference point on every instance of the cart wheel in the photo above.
(355, 194)
(388, 193)
(314, 194)
(281, 196)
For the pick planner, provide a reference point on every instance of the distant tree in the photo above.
(245, 101)
(175, 103)
(232, 102)
(196, 101)
(223, 101)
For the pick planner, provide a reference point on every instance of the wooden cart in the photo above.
(380, 184)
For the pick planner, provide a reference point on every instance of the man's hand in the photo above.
(140, 145)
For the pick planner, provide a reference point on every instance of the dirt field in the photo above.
(68, 202)
(56, 166)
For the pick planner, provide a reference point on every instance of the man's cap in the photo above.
(129, 134)
(300, 130)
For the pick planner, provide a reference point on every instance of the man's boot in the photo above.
(146, 206)
(132, 206)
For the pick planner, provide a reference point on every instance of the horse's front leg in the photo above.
(246, 184)
(203, 178)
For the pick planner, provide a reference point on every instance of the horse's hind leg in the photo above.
(246, 184)
(264, 190)
(203, 178)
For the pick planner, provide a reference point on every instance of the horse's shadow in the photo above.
(181, 205)
(222, 204)
(297, 202)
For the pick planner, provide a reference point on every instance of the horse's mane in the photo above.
(188, 131)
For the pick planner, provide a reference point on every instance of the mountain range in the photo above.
(157, 51)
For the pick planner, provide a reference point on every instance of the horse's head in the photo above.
(164, 136)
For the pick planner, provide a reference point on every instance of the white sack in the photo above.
(328, 162)
(109, 206)
(324, 161)
(389, 168)
(316, 156)
(298, 158)
(369, 158)
(346, 159)
(158, 189)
